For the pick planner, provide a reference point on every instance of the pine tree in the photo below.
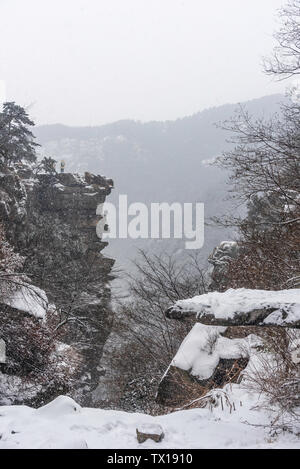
(16, 139)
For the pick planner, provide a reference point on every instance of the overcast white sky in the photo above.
(89, 62)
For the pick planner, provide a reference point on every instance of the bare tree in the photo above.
(285, 61)
(275, 373)
(266, 160)
(161, 280)
(265, 175)
(149, 340)
(11, 265)
(35, 370)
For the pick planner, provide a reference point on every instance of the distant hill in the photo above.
(155, 162)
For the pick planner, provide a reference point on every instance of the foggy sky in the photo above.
(89, 62)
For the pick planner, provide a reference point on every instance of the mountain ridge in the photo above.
(57, 127)
(156, 162)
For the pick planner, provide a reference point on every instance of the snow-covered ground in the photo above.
(64, 424)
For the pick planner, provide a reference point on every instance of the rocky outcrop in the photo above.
(241, 307)
(51, 220)
(178, 387)
(219, 261)
(208, 358)
(149, 431)
(226, 333)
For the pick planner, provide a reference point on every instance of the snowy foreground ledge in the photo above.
(64, 424)
(28, 299)
(241, 307)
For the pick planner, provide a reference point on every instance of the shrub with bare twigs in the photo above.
(274, 371)
(150, 340)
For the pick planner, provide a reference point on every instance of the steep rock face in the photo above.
(219, 261)
(51, 220)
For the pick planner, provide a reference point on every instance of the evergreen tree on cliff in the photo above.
(16, 139)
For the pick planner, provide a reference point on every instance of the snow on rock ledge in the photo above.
(204, 346)
(241, 307)
(209, 357)
(28, 299)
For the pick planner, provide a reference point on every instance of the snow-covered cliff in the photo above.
(51, 220)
